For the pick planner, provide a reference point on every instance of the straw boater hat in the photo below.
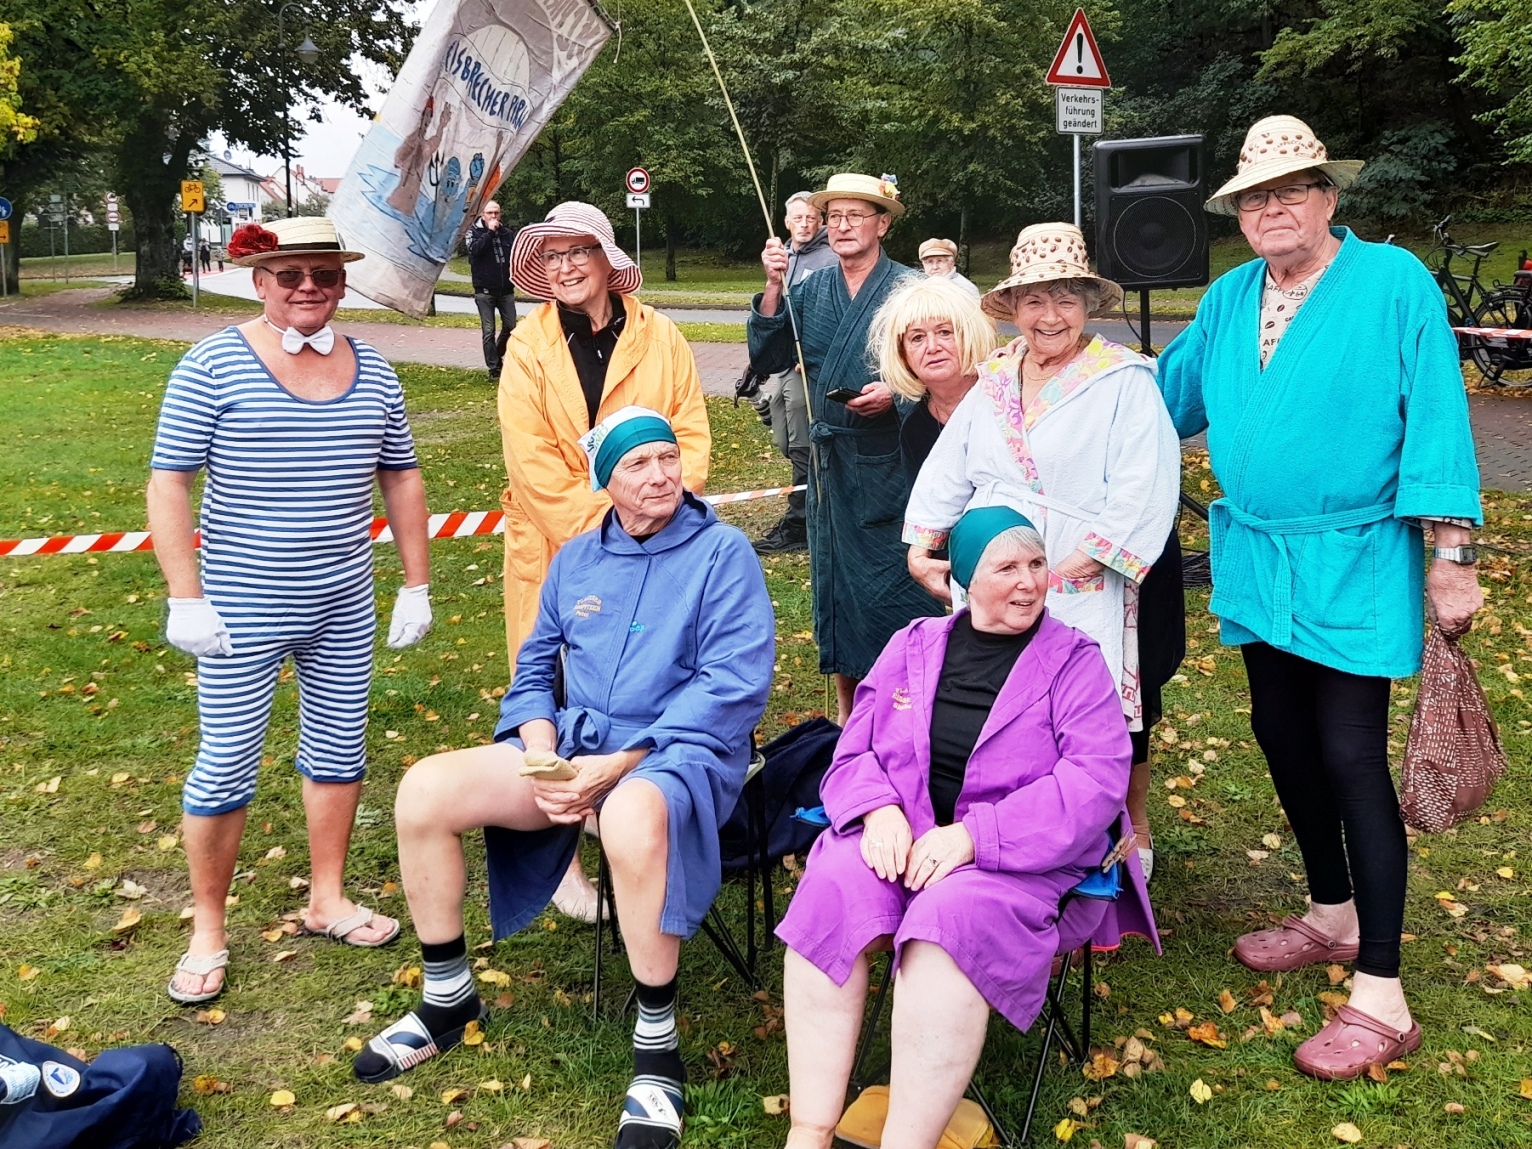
(568, 221)
(938, 247)
(1043, 253)
(258, 243)
(1280, 146)
(883, 191)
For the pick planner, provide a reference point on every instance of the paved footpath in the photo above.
(1502, 422)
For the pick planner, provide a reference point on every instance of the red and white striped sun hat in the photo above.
(567, 221)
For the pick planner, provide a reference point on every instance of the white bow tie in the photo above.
(293, 340)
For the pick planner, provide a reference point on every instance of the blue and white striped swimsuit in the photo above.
(286, 553)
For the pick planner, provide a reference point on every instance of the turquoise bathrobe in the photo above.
(1356, 429)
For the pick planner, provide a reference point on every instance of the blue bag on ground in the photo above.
(795, 765)
(124, 1099)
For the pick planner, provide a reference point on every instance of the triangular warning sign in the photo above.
(1079, 63)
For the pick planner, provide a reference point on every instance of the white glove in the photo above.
(411, 618)
(196, 628)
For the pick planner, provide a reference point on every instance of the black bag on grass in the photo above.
(124, 1099)
(795, 765)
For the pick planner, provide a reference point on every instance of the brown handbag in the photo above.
(1453, 758)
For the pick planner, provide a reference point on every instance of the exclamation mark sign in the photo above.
(1080, 53)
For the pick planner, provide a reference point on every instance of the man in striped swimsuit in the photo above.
(292, 426)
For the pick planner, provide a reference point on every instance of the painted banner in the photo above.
(483, 78)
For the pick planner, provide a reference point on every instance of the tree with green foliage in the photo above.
(1496, 36)
(155, 77)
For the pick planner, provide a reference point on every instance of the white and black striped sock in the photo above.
(449, 996)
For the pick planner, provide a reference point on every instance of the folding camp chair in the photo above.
(714, 926)
(1075, 1041)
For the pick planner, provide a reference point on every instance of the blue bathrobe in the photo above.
(1356, 428)
(669, 647)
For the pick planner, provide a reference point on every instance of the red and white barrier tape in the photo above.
(1496, 332)
(456, 525)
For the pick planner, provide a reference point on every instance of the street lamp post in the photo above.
(308, 52)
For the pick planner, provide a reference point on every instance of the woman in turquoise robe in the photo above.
(1327, 380)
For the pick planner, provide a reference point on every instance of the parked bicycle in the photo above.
(1471, 304)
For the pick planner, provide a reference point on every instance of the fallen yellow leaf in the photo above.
(284, 955)
(58, 1027)
(1100, 1067)
(1175, 801)
(213, 1016)
(1271, 841)
(776, 1105)
(494, 977)
(491, 1086)
(120, 777)
(348, 1112)
(93, 862)
(408, 976)
(526, 1083)
(1506, 872)
(26, 972)
(130, 918)
(1065, 1129)
(472, 1034)
(283, 1098)
(1200, 1092)
(453, 1096)
(272, 855)
(402, 1092)
(1139, 1141)
(167, 843)
(207, 1084)
(1512, 974)
(1207, 1034)
(1453, 1107)
(272, 935)
(1226, 1002)
(1346, 1132)
(353, 1045)
(530, 1143)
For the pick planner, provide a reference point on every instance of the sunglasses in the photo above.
(322, 277)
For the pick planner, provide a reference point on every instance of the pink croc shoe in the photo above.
(1351, 1042)
(1292, 945)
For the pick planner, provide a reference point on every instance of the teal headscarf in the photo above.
(618, 434)
(976, 530)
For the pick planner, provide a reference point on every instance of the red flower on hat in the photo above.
(252, 239)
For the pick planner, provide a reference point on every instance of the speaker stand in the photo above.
(1144, 344)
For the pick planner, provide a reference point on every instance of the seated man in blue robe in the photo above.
(664, 626)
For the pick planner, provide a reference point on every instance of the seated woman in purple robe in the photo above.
(980, 778)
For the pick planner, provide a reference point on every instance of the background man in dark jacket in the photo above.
(489, 258)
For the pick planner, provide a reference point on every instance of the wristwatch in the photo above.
(1467, 555)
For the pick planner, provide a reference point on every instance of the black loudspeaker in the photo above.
(1150, 227)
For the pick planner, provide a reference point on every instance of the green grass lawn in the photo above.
(79, 266)
(98, 726)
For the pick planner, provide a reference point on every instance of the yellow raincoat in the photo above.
(542, 416)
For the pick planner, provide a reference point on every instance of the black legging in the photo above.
(1325, 736)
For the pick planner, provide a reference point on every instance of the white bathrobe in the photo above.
(1093, 461)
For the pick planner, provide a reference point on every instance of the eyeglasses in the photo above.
(1291, 195)
(322, 277)
(577, 256)
(849, 218)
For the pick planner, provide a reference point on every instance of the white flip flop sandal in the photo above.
(340, 930)
(199, 966)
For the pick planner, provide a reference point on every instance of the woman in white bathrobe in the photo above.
(1070, 430)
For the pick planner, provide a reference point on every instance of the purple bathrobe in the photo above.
(1042, 799)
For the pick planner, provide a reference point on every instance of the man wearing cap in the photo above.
(939, 259)
(660, 624)
(489, 259)
(780, 399)
(857, 483)
(293, 426)
(588, 351)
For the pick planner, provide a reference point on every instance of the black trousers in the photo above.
(489, 303)
(1325, 736)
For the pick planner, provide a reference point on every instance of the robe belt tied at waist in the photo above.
(1278, 531)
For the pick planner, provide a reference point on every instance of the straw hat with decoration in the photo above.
(258, 243)
(1046, 252)
(882, 192)
(1275, 147)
